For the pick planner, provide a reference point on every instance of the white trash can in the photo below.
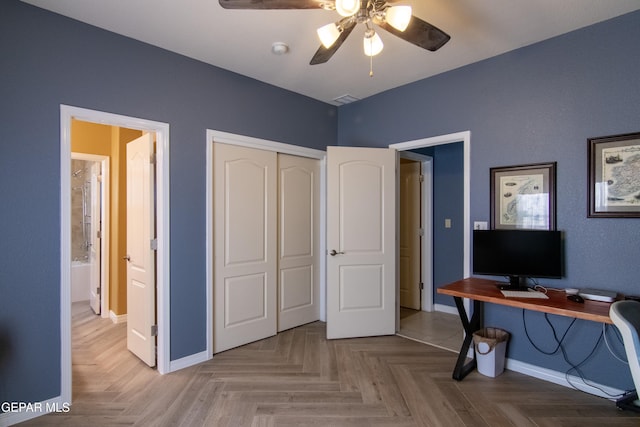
(490, 347)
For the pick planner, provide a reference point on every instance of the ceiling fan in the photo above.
(396, 19)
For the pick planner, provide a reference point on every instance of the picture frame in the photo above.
(524, 197)
(614, 176)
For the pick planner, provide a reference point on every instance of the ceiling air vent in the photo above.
(345, 99)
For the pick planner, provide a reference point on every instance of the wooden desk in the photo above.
(484, 290)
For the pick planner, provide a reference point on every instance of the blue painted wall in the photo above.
(47, 60)
(533, 105)
(536, 104)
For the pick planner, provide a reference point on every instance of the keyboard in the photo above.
(524, 294)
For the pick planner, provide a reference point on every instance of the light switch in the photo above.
(447, 223)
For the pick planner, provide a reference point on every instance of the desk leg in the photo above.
(470, 326)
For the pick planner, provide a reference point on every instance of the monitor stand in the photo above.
(516, 283)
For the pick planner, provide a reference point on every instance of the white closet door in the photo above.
(245, 260)
(299, 234)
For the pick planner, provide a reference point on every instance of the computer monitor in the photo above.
(518, 254)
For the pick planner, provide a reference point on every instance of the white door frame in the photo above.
(104, 228)
(465, 138)
(260, 144)
(67, 113)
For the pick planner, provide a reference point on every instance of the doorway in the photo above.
(90, 226)
(415, 231)
(404, 149)
(161, 131)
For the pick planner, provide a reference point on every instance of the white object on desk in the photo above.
(598, 295)
(524, 294)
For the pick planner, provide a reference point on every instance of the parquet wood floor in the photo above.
(299, 378)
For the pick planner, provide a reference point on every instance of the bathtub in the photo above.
(80, 281)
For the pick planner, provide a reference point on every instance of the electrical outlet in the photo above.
(447, 223)
(480, 225)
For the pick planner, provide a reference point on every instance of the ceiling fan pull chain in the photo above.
(371, 66)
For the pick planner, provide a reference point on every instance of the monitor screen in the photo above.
(518, 254)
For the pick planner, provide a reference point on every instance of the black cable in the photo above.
(577, 369)
(524, 321)
(573, 367)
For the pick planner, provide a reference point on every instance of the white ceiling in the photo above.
(240, 40)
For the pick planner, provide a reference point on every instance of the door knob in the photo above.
(128, 258)
(334, 253)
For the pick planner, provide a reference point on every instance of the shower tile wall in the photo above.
(80, 206)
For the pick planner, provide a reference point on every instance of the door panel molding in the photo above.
(361, 268)
(141, 283)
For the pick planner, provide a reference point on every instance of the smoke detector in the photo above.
(279, 48)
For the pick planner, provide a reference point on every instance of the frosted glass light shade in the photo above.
(398, 17)
(347, 7)
(373, 45)
(328, 35)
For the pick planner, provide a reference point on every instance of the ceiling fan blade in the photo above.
(420, 33)
(323, 54)
(271, 4)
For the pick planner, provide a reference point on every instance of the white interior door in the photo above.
(298, 242)
(409, 257)
(95, 237)
(361, 240)
(245, 245)
(140, 255)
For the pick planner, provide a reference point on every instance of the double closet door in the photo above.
(266, 244)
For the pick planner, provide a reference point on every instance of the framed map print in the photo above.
(524, 197)
(614, 176)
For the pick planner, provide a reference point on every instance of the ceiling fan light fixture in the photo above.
(347, 7)
(398, 17)
(372, 43)
(328, 34)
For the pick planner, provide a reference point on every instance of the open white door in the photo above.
(245, 255)
(361, 240)
(140, 253)
(409, 238)
(298, 245)
(95, 237)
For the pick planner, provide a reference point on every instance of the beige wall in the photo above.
(93, 138)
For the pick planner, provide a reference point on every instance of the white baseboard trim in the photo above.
(187, 361)
(445, 309)
(24, 411)
(545, 374)
(117, 318)
(562, 379)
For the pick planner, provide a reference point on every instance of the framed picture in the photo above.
(614, 176)
(524, 197)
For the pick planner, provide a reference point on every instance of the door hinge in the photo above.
(153, 158)
(99, 234)
(98, 290)
(154, 330)
(421, 286)
(154, 244)
(421, 232)
(421, 178)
